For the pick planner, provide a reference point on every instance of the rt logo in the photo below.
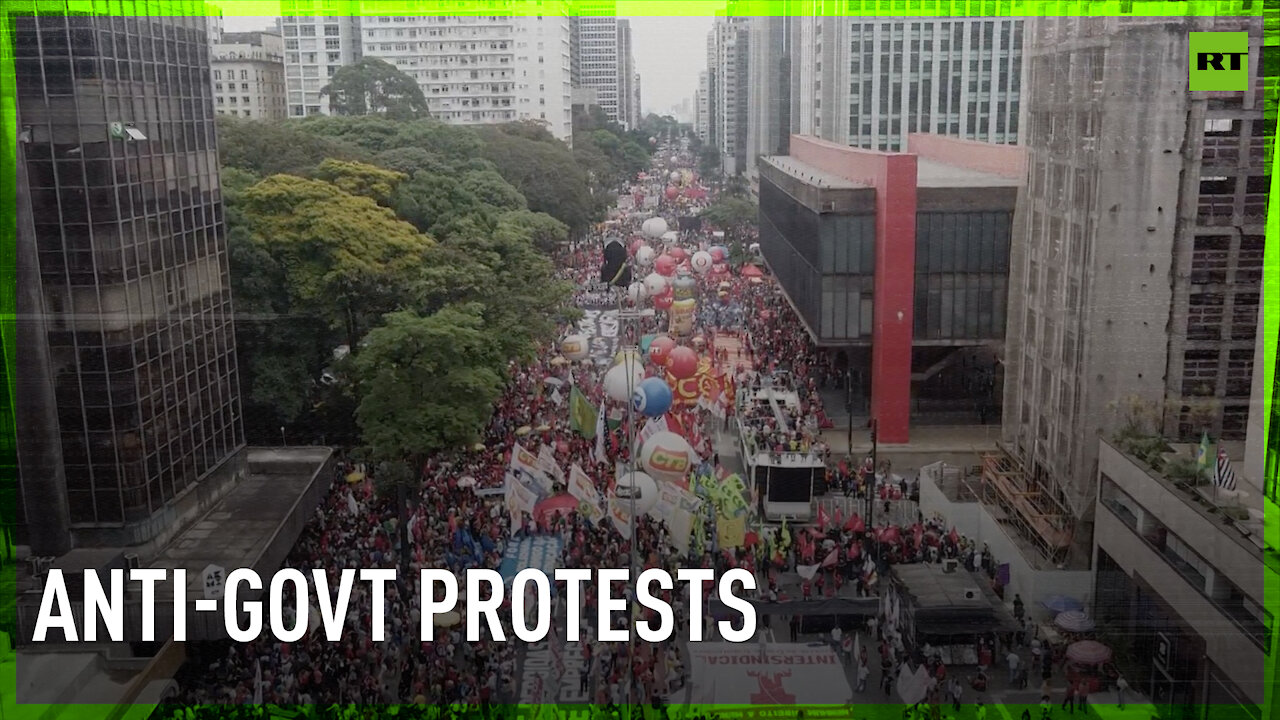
(1219, 61)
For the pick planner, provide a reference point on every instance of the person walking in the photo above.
(1082, 696)
(795, 628)
(957, 692)
(1069, 699)
(1014, 661)
(864, 672)
(1121, 686)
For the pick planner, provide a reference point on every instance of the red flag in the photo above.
(830, 560)
(822, 518)
(852, 523)
(839, 519)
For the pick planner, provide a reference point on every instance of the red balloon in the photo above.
(636, 245)
(664, 301)
(665, 265)
(678, 253)
(682, 362)
(672, 193)
(717, 254)
(660, 349)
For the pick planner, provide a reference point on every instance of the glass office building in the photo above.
(116, 123)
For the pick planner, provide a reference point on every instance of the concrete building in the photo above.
(897, 263)
(598, 51)
(628, 113)
(870, 82)
(1180, 589)
(636, 100)
(315, 47)
(768, 88)
(702, 108)
(1138, 275)
(248, 75)
(728, 44)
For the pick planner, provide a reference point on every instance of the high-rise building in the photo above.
(315, 48)
(248, 75)
(128, 394)
(638, 115)
(626, 75)
(728, 43)
(702, 108)
(598, 55)
(768, 88)
(869, 82)
(1136, 279)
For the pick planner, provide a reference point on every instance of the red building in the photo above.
(897, 262)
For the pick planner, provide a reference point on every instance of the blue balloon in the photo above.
(652, 397)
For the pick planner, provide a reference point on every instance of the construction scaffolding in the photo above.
(1036, 515)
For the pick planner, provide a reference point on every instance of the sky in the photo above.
(669, 53)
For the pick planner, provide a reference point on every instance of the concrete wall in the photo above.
(1004, 160)
(972, 520)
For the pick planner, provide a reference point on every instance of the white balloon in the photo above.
(666, 456)
(675, 174)
(575, 347)
(644, 256)
(621, 381)
(638, 487)
(754, 248)
(655, 284)
(654, 227)
(637, 292)
(701, 262)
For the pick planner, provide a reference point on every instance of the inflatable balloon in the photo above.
(754, 248)
(655, 284)
(682, 362)
(636, 490)
(701, 262)
(621, 381)
(635, 246)
(644, 256)
(675, 175)
(684, 287)
(672, 192)
(678, 253)
(664, 301)
(654, 227)
(637, 292)
(666, 456)
(652, 398)
(628, 355)
(575, 347)
(717, 254)
(665, 265)
(660, 348)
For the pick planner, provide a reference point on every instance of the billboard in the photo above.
(752, 673)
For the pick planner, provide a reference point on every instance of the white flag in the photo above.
(600, 430)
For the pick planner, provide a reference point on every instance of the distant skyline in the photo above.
(669, 53)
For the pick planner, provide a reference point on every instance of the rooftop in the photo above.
(807, 173)
(933, 174)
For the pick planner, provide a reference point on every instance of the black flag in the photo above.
(614, 270)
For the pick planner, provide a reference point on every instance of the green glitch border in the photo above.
(1269, 9)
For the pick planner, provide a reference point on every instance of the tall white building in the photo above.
(628, 113)
(727, 46)
(248, 75)
(314, 49)
(598, 58)
(868, 82)
(479, 70)
(702, 107)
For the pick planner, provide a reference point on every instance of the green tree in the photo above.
(375, 87)
(546, 174)
(546, 232)
(271, 147)
(491, 189)
(731, 214)
(361, 179)
(340, 256)
(435, 202)
(426, 384)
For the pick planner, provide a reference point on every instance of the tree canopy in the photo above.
(374, 86)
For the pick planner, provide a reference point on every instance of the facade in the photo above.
(315, 48)
(702, 108)
(1138, 279)
(130, 394)
(248, 75)
(896, 262)
(599, 59)
(627, 111)
(768, 88)
(545, 73)
(870, 82)
(1182, 591)
(728, 42)
(635, 101)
